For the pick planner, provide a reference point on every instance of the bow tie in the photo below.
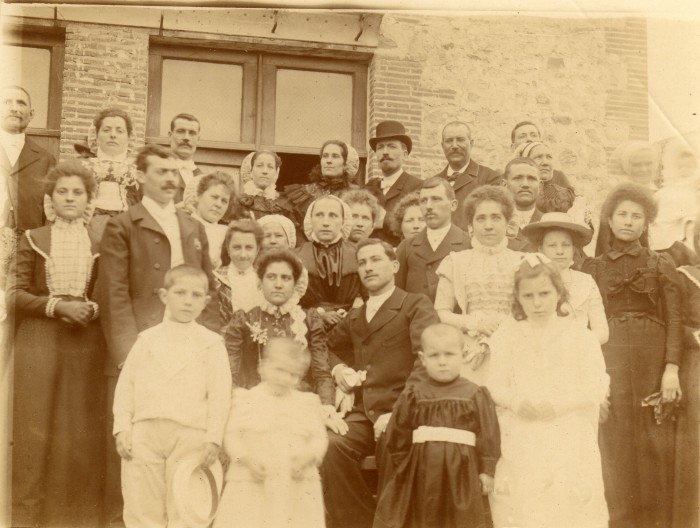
(453, 177)
(616, 282)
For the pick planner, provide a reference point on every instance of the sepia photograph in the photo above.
(349, 265)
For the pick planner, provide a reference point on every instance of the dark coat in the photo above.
(135, 254)
(25, 181)
(418, 262)
(403, 185)
(386, 347)
(475, 176)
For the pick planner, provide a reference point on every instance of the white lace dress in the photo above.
(478, 282)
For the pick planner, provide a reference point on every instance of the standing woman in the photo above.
(334, 175)
(112, 167)
(642, 298)
(58, 362)
(479, 281)
(259, 196)
(214, 195)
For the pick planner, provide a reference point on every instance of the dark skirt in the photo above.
(637, 453)
(58, 420)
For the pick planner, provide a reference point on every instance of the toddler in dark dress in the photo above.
(444, 442)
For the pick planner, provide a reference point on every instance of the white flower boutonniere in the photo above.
(257, 333)
(197, 244)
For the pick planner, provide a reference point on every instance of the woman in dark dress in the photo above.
(334, 284)
(642, 299)
(333, 175)
(278, 315)
(59, 349)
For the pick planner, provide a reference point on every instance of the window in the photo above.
(248, 100)
(34, 60)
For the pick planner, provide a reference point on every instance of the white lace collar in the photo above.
(490, 250)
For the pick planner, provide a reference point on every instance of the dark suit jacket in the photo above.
(520, 242)
(181, 184)
(25, 181)
(134, 256)
(386, 348)
(403, 185)
(418, 262)
(475, 176)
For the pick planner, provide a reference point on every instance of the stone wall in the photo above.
(103, 66)
(582, 80)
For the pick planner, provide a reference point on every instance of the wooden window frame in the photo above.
(53, 40)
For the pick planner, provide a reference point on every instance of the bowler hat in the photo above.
(197, 490)
(391, 130)
(558, 220)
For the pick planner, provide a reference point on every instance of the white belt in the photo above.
(426, 433)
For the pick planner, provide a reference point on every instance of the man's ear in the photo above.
(140, 176)
(395, 264)
(453, 205)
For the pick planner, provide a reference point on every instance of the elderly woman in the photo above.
(58, 353)
(557, 236)
(406, 219)
(556, 193)
(642, 298)
(214, 194)
(334, 175)
(259, 196)
(278, 314)
(479, 281)
(113, 169)
(334, 284)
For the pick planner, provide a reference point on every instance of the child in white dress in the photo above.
(276, 440)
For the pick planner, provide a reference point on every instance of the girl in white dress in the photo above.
(479, 281)
(548, 379)
(557, 235)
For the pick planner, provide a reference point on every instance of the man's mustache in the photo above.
(168, 186)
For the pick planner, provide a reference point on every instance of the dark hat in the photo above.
(557, 220)
(391, 130)
(83, 148)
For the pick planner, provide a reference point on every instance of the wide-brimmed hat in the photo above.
(580, 232)
(390, 130)
(197, 491)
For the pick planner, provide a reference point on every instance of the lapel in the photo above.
(468, 176)
(358, 322)
(30, 153)
(41, 238)
(139, 215)
(536, 216)
(395, 190)
(188, 228)
(454, 241)
(5, 164)
(386, 313)
(421, 246)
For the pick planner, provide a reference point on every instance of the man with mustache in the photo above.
(23, 163)
(391, 146)
(463, 173)
(382, 338)
(184, 136)
(137, 248)
(522, 178)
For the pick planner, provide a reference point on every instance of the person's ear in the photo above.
(207, 299)
(453, 205)
(421, 356)
(395, 265)
(163, 295)
(140, 176)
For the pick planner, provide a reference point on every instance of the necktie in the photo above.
(453, 177)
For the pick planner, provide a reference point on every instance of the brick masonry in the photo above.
(104, 66)
(583, 80)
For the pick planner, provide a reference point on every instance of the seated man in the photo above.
(382, 338)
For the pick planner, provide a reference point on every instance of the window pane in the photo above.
(211, 92)
(312, 107)
(29, 68)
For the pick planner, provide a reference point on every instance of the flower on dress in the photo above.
(257, 333)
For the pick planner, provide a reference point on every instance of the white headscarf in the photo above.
(347, 219)
(285, 223)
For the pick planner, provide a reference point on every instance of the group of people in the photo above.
(451, 327)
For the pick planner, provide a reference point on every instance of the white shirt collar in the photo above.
(103, 156)
(523, 218)
(375, 302)
(462, 169)
(438, 234)
(387, 181)
(12, 139)
(187, 164)
(157, 210)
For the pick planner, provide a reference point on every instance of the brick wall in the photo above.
(582, 80)
(104, 66)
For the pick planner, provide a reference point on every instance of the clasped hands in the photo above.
(537, 410)
(74, 312)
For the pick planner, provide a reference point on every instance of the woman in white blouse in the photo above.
(214, 194)
(557, 235)
(479, 281)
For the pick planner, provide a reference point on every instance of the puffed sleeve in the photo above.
(446, 296)
(500, 372)
(318, 348)
(399, 432)
(671, 299)
(235, 335)
(488, 441)
(20, 280)
(597, 320)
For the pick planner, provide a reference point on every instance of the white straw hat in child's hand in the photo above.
(197, 491)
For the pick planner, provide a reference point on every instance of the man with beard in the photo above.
(137, 248)
(184, 136)
(463, 173)
(392, 146)
(23, 164)
(522, 177)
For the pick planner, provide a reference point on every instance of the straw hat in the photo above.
(556, 220)
(197, 491)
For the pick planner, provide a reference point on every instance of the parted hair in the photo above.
(388, 250)
(437, 181)
(526, 271)
(488, 193)
(272, 256)
(632, 192)
(149, 150)
(399, 211)
(113, 112)
(67, 168)
(364, 197)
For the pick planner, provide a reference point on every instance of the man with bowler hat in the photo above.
(392, 146)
